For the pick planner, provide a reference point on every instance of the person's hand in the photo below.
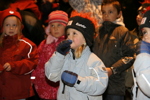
(64, 47)
(69, 78)
(109, 71)
(7, 66)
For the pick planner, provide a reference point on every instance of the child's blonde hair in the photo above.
(79, 50)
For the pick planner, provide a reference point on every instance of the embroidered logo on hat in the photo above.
(143, 20)
(80, 25)
(11, 12)
(85, 26)
(70, 22)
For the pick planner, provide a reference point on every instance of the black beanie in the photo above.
(145, 20)
(85, 26)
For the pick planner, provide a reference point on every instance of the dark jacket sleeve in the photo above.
(127, 53)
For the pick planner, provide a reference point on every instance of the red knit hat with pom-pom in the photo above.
(8, 12)
(58, 16)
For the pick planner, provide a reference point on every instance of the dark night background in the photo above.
(129, 8)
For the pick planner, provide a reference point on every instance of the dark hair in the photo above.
(115, 3)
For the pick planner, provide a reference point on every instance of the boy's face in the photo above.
(139, 17)
(57, 30)
(76, 37)
(146, 34)
(110, 13)
(11, 26)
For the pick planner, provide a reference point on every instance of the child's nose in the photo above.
(69, 37)
(11, 27)
(106, 15)
(55, 28)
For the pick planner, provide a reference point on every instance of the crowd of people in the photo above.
(73, 50)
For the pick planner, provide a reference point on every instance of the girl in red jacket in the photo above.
(18, 57)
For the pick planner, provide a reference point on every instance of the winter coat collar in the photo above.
(85, 52)
(8, 40)
(119, 21)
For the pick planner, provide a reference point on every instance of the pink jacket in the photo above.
(45, 88)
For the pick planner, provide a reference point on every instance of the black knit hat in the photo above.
(145, 20)
(85, 26)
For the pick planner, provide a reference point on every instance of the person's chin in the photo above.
(72, 47)
(11, 34)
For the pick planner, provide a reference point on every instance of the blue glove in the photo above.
(64, 47)
(69, 78)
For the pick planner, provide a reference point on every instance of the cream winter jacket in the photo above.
(91, 72)
(141, 75)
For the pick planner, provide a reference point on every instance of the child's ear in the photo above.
(119, 15)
